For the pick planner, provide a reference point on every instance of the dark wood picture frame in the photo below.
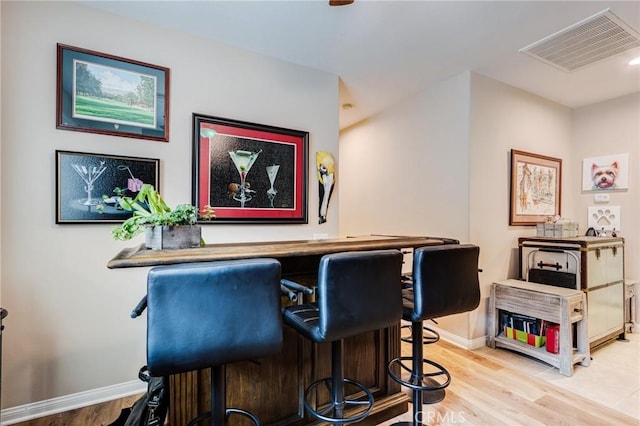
(536, 188)
(107, 94)
(248, 172)
(88, 185)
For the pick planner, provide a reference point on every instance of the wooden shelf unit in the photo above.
(553, 304)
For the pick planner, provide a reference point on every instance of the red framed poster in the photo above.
(249, 173)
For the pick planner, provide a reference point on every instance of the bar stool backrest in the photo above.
(201, 315)
(445, 280)
(358, 292)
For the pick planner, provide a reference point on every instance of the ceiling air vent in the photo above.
(594, 39)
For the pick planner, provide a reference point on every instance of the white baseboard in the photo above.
(463, 342)
(476, 343)
(23, 413)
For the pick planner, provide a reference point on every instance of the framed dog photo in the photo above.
(535, 188)
(605, 173)
(89, 186)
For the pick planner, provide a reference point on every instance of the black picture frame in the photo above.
(277, 175)
(106, 94)
(86, 185)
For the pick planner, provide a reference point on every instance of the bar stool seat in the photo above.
(357, 292)
(429, 335)
(205, 315)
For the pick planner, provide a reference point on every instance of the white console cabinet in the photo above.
(594, 265)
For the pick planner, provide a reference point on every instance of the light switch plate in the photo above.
(600, 198)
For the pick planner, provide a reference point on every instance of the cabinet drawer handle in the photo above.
(556, 265)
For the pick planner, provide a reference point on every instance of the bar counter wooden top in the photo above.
(271, 387)
(140, 256)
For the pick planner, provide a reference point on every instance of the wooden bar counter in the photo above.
(271, 388)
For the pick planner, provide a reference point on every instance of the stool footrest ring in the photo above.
(228, 412)
(416, 381)
(365, 401)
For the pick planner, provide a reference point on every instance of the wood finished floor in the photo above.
(94, 415)
(483, 391)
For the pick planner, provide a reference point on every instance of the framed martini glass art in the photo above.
(249, 173)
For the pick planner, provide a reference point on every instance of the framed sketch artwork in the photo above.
(249, 173)
(535, 188)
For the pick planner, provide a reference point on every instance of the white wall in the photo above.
(606, 128)
(408, 171)
(69, 328)
(413, 179)
(505, 118)
(407, 167)
(435, 164)
(438, 164)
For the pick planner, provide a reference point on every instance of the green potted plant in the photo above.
(164, 227)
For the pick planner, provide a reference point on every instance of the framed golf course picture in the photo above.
(102, 93)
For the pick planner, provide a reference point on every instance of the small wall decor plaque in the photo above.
(326, 165)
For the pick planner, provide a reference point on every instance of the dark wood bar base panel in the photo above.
(272, 387)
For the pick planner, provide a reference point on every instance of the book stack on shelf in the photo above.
(523, 328)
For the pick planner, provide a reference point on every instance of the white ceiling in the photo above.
(384, 51)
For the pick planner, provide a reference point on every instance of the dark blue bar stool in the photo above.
(205, 315)
(444, 282)
(429, 335)
(357, 292)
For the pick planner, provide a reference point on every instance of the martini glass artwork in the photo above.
(243, 160)
(272, 172)
(89, 175)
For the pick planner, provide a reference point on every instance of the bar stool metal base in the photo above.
(428, 397)
(333, 412)
(426, 387)
(418, 380)
(228, 412)
(429, 335)
(219, 413)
